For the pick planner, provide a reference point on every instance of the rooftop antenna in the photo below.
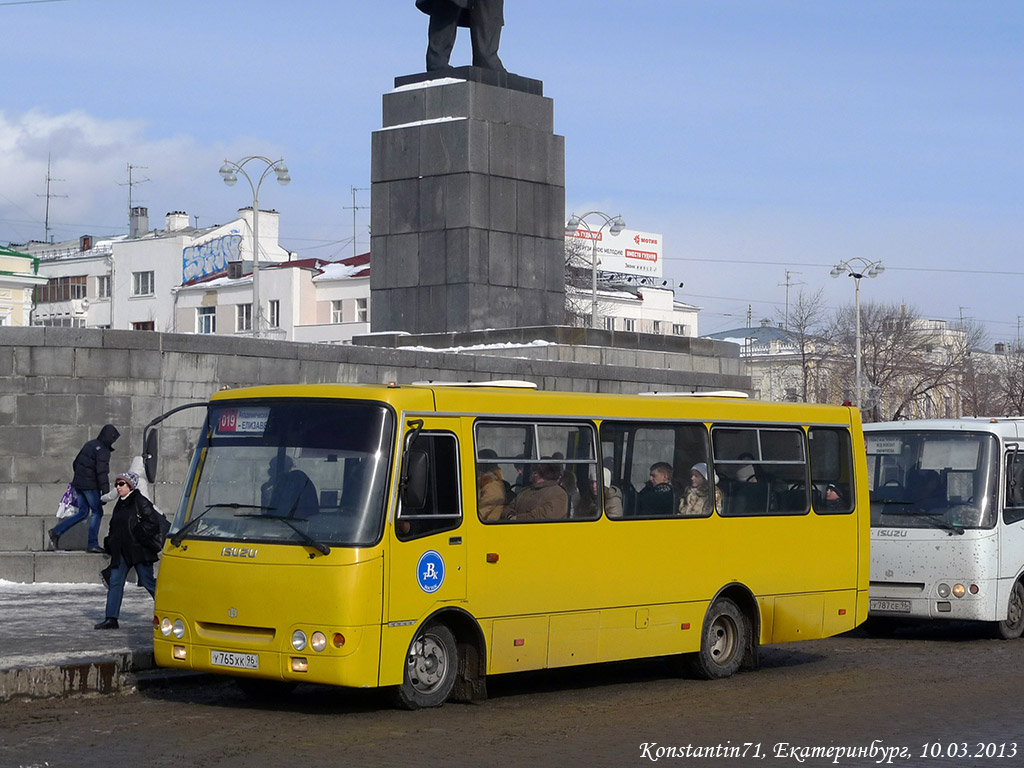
(48, 195)
(750, 314)
(788, 283)
(354, 208)
(131, 184)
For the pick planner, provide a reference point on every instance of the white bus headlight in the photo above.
(318, 642)
(943, 590)
(298, 640)
(178, 629)
(165, 627)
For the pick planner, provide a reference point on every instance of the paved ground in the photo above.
(48, 645)
(943, 691)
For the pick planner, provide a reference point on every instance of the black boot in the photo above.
(54, 538)
(107, 623)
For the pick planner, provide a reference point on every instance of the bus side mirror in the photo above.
(414, 479)
(150, 450)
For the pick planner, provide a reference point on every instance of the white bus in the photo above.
(947, 521)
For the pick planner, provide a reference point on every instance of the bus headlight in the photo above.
(943, 590)
(958, 590)
(298, 640)
(165, 627)
(178, 629)
(318, 642)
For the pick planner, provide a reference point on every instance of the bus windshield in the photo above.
(926, 479)
(310, 472)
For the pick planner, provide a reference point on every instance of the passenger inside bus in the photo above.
(544, 499)
(698, 501)
(657, 499)
(492, 490)
(288, 491)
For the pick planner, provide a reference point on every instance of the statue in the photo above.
(484, 19)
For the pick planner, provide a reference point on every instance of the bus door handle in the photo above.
(454, 540)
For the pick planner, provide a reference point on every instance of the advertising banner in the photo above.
(628, 253)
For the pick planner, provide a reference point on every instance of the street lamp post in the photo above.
(229, 172)
(615, 226)
(858, 268)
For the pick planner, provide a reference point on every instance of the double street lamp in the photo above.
(615, 226)
(229, 172)
(858, 268)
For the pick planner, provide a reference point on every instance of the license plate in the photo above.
(889, 606)
(235, 660)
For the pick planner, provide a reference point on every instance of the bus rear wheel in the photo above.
(431, 666)
(1013, 627)
(724, 639)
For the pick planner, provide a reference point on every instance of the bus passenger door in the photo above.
(428, 556)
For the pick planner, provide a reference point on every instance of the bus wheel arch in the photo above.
(1013, 627)
(729, 635)
(450, 638)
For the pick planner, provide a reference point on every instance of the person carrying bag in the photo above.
(135, 539)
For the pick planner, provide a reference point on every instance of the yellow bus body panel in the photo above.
(559, 594)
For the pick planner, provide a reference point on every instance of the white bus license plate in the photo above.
(235, 660)
(889, 606)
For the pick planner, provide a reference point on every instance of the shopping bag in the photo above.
(69, 503)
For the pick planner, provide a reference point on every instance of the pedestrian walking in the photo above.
(91, 480)
(134, 541)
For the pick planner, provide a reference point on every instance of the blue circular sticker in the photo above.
(430, 571)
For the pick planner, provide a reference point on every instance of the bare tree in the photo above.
(1011, 371)
(807, 326)
(910, 366)
(579, 284)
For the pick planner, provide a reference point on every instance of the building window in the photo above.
(148, 325)
(275, 313)
(243, 318)
(362, 310)
(628, 324)
(142, 283)
(337, 315)
(103, 287)
(61, 289)
(206, 320)
(656, 326)
(678, 329)
(609, 323)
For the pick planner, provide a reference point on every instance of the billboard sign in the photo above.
(628, 253)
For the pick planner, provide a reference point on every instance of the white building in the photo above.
(641, 308)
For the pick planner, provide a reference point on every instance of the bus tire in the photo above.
(724, 640)
(1013, 627)
(431, 667)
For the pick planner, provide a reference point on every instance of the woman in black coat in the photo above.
(132, 542)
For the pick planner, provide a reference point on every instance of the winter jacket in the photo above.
(544, 501)
(133, 531)
(491, 495)
(92, 464)
(698, 503)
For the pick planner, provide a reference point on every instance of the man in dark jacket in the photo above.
(91, 480)
(484, 19)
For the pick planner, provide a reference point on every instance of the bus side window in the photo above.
(831, 470)
(1014, 511)
(441, 510)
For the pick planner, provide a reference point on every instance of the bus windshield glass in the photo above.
(298, 472)
(924, 479)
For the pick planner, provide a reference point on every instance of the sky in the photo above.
(761, 138)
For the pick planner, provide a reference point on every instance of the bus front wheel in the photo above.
(1013, 627)
(430, 669)
(724, 639)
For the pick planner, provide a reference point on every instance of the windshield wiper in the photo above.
(942, 523)
(319, 546)
(177, 537)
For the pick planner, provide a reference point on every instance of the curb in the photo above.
(105, 676)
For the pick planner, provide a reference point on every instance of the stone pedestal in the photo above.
(467, 205)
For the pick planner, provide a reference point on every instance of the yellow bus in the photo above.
(423, 537)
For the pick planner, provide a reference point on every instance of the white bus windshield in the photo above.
(308, 472)
(924, 479)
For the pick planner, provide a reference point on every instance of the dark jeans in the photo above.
(88, 501)
(115, 592)
(485, 20)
